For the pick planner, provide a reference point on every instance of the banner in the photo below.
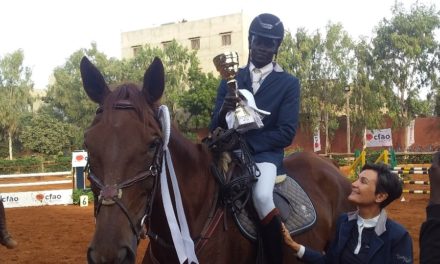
(79, 158)
(316, 141)
(378, 138)
(37, 198)
(410, 133)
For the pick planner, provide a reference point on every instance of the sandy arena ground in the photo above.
(60, 234)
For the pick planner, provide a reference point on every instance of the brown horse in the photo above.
(125, 143)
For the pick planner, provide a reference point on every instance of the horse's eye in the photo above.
(154, 145)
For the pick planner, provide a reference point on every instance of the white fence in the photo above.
(36, 198)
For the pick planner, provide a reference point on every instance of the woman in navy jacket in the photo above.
(366, 235)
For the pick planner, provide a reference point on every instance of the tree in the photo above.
(66, 98)
(189, 93)
(67, 101)
(324, 66)
(15, 98)
(47, 135)
(406, 55)
(198, 100)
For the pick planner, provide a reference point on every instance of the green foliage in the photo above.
(406, 58)
(46, 135)
(15, 98)
(66, 98)
(324, 64)
(414, 159)
(198, 101)
(78, 192)
(35, 164)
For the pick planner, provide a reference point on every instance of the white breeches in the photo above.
(262, 192)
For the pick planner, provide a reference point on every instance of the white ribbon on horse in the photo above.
(181, 238)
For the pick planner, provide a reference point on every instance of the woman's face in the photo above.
(363, 190)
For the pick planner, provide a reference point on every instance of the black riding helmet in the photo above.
(268, 26)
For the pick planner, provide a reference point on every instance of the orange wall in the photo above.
(426, 135)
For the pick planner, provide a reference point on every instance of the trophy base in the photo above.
(244, 121)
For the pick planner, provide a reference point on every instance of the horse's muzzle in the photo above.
(124, 255)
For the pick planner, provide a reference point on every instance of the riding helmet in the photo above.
(267, 25)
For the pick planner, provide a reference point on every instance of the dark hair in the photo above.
(387, 182)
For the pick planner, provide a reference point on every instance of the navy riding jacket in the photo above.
(278, 94)
(391, 242)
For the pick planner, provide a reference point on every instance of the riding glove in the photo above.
(229, 104)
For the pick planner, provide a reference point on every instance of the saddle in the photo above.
(236, 173)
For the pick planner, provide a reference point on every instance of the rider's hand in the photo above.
(229, 104)
(434, 179)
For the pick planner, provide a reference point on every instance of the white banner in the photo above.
(79, 158)
(378, 138)
(410, 133)
(316, 141)
(37, 198)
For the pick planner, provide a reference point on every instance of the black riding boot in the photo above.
(272, 238)
(5, 239)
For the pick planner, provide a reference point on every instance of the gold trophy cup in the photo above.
(227, 65)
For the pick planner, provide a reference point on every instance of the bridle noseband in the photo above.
(112, 194)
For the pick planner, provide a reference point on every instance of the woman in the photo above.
(366, 235)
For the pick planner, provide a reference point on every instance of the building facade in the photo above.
(209, 37)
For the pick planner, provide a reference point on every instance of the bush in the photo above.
(78, 192)
(35, 164)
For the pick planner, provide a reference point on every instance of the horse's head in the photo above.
(124, 145)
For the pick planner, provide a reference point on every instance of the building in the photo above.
(209, 37)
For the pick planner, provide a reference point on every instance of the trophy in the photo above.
(227, 65)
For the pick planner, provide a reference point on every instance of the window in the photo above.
(165, 43)
(226, 38)
(195, 43)
(136, 49)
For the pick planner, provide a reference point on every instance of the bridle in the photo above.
(112, 194)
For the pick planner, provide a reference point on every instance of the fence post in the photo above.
(79, 161)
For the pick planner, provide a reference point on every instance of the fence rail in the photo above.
(39, 174)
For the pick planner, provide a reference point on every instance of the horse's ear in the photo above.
(154, 81)
(93, 81)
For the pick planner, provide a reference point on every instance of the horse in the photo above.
(125, 142)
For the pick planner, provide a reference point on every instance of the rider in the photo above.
(277, 92)
(5, 239)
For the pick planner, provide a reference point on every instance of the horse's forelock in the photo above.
(128, 92)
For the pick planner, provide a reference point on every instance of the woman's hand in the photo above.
(288, 240)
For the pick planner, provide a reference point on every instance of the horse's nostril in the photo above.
(122, 254)
(126, 255)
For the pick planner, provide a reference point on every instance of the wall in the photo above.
(426, 135)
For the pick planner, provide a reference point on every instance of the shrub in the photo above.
(78, 192)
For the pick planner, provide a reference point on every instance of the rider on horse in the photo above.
(274, 91)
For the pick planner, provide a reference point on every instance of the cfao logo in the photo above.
(378, 138)
(79, 158)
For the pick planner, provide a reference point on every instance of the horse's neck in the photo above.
(192, 163)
